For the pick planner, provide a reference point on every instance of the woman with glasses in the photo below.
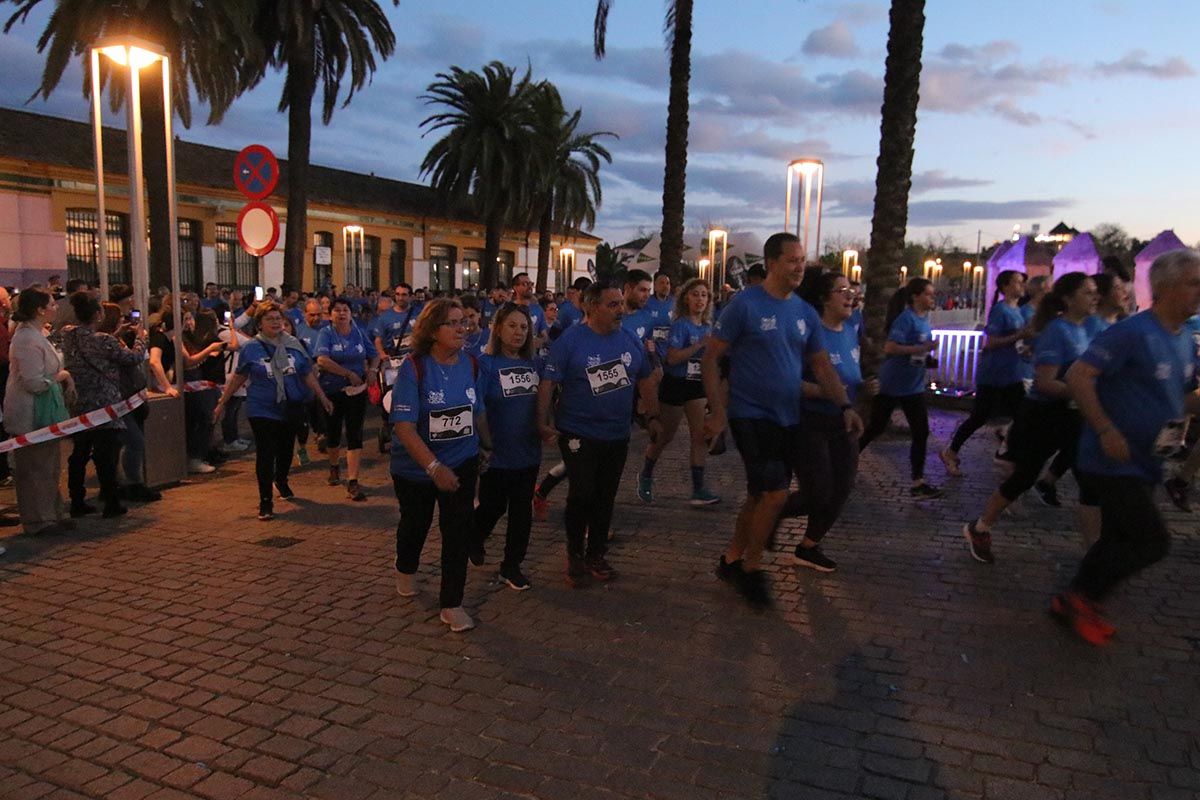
(436, 406)
(347, 360)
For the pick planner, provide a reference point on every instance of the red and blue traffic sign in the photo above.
(255, 172)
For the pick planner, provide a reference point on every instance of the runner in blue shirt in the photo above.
(1046, 423)
(902, 377)
(347, 361)
(437, 405)
(523, 295)
(497, 297)
(661, 307)
(769, 335)
(1133, 389)
(391, 334)
(999, 378)
(597, 365)
(510, 374)
(474, 336)
(681, 392)
(1110, 308)
(1179, 486)
(569, 310)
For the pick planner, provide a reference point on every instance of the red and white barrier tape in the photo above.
(83, 422)
(200, 386)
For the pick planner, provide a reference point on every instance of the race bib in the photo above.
(518, 381)
(660, 334)
(451, 423)
(392, 371)
(608, 377)
(1170, 439)
(693, 369)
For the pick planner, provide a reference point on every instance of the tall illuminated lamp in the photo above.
(811, 179)
(717, 267)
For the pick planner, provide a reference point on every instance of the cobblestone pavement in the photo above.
(177, 654)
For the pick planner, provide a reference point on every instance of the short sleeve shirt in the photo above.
(683, 334)
(598, 375)
(445, 406)
(1001, 366)
(1059, 344)
(903, 376)
(844, 354)
(510, 396)
(349, 352)
(254, 362)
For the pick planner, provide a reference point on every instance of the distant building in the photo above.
(1058, 237)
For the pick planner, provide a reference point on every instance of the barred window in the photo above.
(471, 264)
(322, 259)
(82, 254)
(189, 255)
(504, 270)
(441, 267)
(362, 266)
(236, 269)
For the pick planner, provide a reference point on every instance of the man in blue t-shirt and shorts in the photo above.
(1133, 386)
(769, 334)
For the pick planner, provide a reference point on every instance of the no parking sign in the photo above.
(256, 174)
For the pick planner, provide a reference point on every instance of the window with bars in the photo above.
(322, 259)
(82, 254)
(396, 263)
(236, 269)
(504, 270)
(189, 255)
(362, 265)
(472, 261)
(441, 267)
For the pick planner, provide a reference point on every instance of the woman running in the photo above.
(347, 361)
(1047, 422)
(902, 377)
(999, 379)
(681, 393)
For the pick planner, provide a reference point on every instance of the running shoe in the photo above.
(515, 578)
(1084, 617)
(980, 543)
(752, 586)
(302, 456)
(285, 491)
(1048, 493)
(1177, 491)
(236, 446)
(335, 476)
(645, 488)
(457, 618)
(924, 491)
(705, 497)
(813, 558)
(265, 511)
(577, 574)
(476, 555)
(794, 506)
(541, 506)
(198, 466)
(951, 462)
(322, 447)
(599, 568)
(728, 572)
(81, 508)
(355, 492)
(406, 584)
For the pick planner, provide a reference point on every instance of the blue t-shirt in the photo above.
(510, 396)
(348, 352)
(638, 323)
(254, 361)
(395, 329)
(308, 336)
(769, 339)
(1095, 324)
(296, 315)
(901, 376)
(474, 343)
(1144, 372)
(857, 323)
(683, 334)
(1026, 348)
(1192, 326)
(843, 350)
(537, 319)
(660, 316)
(568, 314)
(444, 407)
(1059, 343)
(598, 375)
(487, 311)
(1001, 366)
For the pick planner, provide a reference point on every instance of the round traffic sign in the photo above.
(255, 172)
(258, 228)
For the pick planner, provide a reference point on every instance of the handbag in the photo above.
(49, 407)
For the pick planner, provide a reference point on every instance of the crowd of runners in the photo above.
(471, 388)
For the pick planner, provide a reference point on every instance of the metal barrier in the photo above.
(957, 355)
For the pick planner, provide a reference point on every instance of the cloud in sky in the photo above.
(835, 40)
(1135, 63)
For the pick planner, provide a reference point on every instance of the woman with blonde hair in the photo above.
(681, 393)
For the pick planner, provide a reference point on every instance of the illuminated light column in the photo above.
(718, 267)
(849, 261)
(812, 177)
(566, 264)
(351, 234)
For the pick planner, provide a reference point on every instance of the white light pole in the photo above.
(718, 267)
(566, 264)
(350, 235)
(812, 176)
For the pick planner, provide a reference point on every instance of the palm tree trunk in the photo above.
(898, 130)
(545, 231)
(301, 85)
(491, 251)
(154, 155)
(675, 174)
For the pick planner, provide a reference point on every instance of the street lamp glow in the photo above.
(125, 56)
(718, 274)
(849, 261)
(810, 173)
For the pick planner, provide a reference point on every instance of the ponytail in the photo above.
(1054, 302)
(902, 299)
(1002, 280)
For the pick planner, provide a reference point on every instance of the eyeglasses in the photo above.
(453, 323)
(844, 290)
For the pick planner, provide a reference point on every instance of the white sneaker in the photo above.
(3, 550)
(457, 618)
(198, 467)
(406, 585)
(245, 443)
(236, 446)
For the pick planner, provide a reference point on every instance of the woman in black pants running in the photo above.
(347, 360)
(902, 377)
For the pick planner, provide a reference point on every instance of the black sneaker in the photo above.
(728, 572)
(813, 558)
(141, 493)
(81, 508)
(980, 543)
(599, 568)
(285, 491)
(1048, 493)
(753, 587)
(265, 510)
(1177, 491)
(924, 491)
(515, 578)
(355, 492)
(112, 510)
(476, 555)
(577, 574)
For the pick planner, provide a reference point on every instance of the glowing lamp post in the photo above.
(350, 235)
(566, 265)
(718, 273)
(811, 172)
(703, 265)
(978, 289)
(903, 275)
(849, 261)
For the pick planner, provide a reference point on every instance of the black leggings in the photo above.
(103, 446)
(351, 409)
(825, 466)
(417, 499)
(913, 406)
(1132, 534)
(594, 469)
(990, 402)
(510, 490)
(274, 443)
(1040, 430)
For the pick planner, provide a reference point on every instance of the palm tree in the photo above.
(678, 28)
(317, 42)
(483, 160)
(609, 263)
(898, 130)
(568, 164)
(212, 52)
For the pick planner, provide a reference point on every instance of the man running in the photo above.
(661, 306)
(769, 335)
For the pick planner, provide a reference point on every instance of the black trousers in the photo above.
(506, 490)
(1132, 534)
(103, 446)
(350, 410)
(594, 470)
(198, 420)
(1040, 430)
(913, 406)
(455, 520)
(825, 466)
(274, 446)
(990, 401)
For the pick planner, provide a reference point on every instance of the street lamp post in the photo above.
(812, 176)
(350, 235)
(702, 265)
(718, 271)
(849, 261)
(566, 265)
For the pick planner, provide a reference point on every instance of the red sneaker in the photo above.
(541, 508)
(1083, 616)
